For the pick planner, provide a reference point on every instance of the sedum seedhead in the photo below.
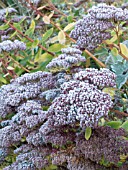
(70, 57)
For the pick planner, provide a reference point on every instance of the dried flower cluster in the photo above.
(102, 145)
(6, 10)
(43, 115)
(105, 1)
(70, 57)
(94, 27)
(106, 12)
(9, 45)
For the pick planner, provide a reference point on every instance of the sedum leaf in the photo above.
(88, 133)
(114, 124)
(56, 47)
(125, 125)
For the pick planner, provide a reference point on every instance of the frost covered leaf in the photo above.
(88, 133)
(69, 26)
(121, 70)
(61, 37)
(38, 16)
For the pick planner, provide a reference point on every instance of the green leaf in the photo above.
(17, 26)
(88, 133)
(125, 125)
(69, 26)
(35, 43)
(114, 124)
(3, 80)
(47, 34)
(42, 57)
(29, 32)
(4, 27)
(56, 47)
(12, 35)
(70, 18)
(114, 51)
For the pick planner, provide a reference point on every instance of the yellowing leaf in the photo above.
(46, 19)
(113, 39)
(10, 68)
(110, 91)
(32, 24)
(50, 16)
(43, 57)
(56, 47)
(69, 26)
(61, 37)
(38, 16)
(54, 39)
(42, 7)
(124, 49)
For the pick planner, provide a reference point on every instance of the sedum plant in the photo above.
(70, 115)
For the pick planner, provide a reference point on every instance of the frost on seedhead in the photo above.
(89, 32)
(6, 10)
(24, 88)
(105, 1)
(100, 78)
(9, 45)
(95, 27)
(106, 12)
(70, 57)
(79, 102)
(73, 104)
